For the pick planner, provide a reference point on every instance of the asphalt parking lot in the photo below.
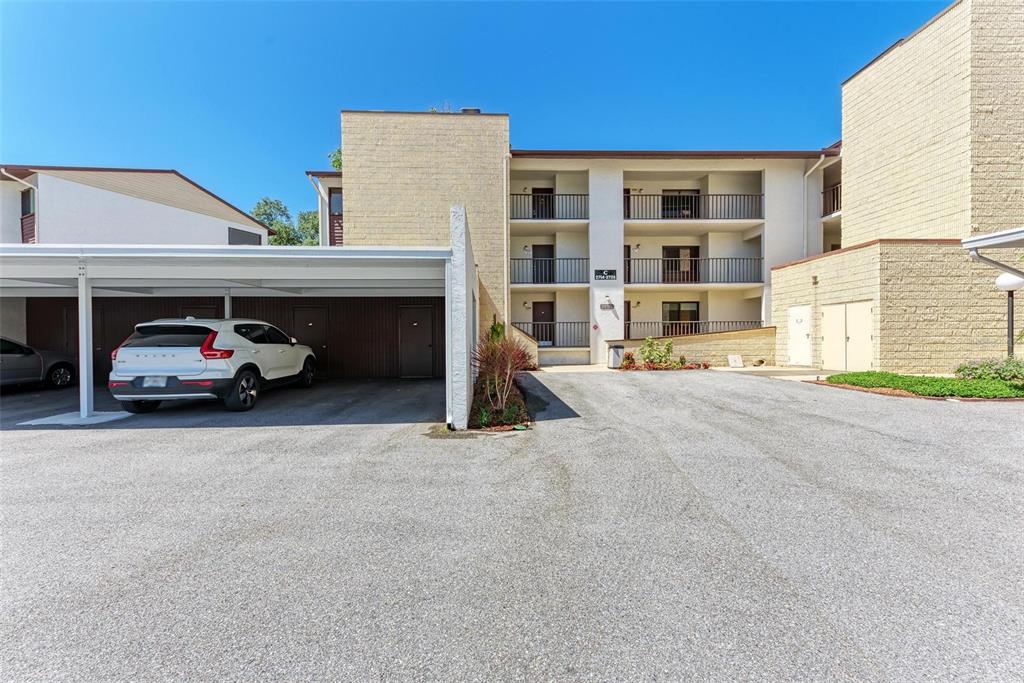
(650, 526)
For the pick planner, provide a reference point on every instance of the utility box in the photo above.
(615, 354)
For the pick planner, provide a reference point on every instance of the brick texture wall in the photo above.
(715, 348)
(932, 307)
(997, 115)
(907, 137)
(851, 274)
(403, 171)
(939, 308)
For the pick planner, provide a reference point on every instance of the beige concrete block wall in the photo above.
(847, 275)
(907, 137)
(997, 115)
(939, 309)
(715, 348)
(403, 171)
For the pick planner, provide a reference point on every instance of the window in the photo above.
(335, 201)
(679, 204)
(679, 317)
(257, 334)
(28, 202)
(9, 348)
(236, 236)
(179, 336)
(276, 336)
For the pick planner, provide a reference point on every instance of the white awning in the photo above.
(1007, 239)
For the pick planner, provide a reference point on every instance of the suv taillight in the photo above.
(211, 353)
(113, 354)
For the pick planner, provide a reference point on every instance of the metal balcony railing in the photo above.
(675, 328)
(564, 335)
(549, 206)
(526, 271)
(646, 207)
(832, 200)
(692, 270)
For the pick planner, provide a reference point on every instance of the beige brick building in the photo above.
(578, 248)
(932, 153)
(402, 173)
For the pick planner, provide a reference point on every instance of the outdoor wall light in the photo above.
(1009, 283)
(636, 304)
(526, 248)
(527, 304)
(637, 247)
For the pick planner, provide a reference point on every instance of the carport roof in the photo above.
(1007, 239)
(41, 270)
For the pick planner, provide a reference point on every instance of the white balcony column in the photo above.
(227, 303)
(85, 365)
(605, 242)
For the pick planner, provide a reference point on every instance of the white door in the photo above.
(799, 335)
(858, 336)
(833, 337)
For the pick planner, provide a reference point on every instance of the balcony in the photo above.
(832, 200)
(658, 271)
(681, 207)
(549, 207)
(537, 271)
(676, 328)
(558, 335)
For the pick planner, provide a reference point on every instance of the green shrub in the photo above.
(1006, 369)
(496, 331)
(652, 353)
(931, 386)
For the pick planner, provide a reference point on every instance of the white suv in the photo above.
(186, 358)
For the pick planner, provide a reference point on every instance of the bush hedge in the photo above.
(932, 386)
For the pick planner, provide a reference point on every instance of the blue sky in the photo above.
(244, 97)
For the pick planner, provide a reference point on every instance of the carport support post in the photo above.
(227, 303)
(85, 369)
(1009, 323)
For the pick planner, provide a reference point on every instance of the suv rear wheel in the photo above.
(244, 392)
(140, 406)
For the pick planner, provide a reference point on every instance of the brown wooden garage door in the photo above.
(362, 335)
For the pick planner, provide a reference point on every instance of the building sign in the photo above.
(605, 274)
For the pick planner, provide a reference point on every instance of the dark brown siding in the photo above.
(28, 229)
(362, 337)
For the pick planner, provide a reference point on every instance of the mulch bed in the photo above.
(496, 424)
(887, 391)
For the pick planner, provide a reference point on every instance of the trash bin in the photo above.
(615, 356)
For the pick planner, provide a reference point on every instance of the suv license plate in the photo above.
(154, 381)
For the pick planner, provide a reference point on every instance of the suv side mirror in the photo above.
(293, 341)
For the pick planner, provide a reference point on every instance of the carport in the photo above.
(441, 281)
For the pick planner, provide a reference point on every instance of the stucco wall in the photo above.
(906, 137)
(10, 210)
(757, 344)
(404, 170)
(12, 318)
(72, 213)
(997, 115)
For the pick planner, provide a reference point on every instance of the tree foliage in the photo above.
(335, 159)
(274, 214)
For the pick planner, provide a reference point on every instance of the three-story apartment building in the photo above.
(845, 257)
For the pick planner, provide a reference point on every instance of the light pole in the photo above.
(1009, 283)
